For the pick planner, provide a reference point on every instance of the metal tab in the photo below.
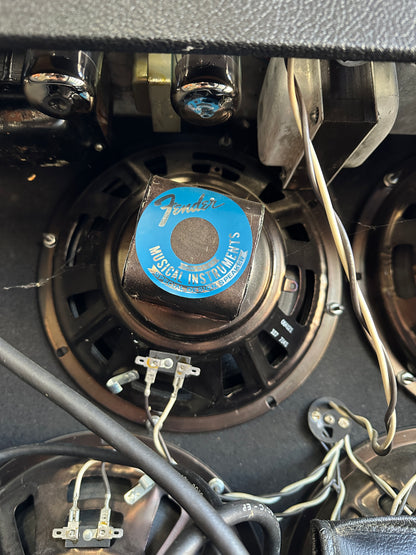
(152, 79)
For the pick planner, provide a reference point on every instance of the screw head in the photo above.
(390, 179)
(217, 485)
(99, 147)
(406, 378)
(335, 309)
(168, 363)
(225, 141)
(49, 240)
(314, 115)
(316, 415)
(290, 285)
(329, 419)
(87, 535)
(343, 422)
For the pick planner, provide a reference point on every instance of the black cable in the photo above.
(164, 474)
(201, 485)
(104, 455)
(64, 449)
(190, 541)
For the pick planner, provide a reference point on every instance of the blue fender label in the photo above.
(176, 276)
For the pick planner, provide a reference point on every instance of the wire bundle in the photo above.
(346, 257)
(328, 470)
(160, 441)
(400, 501)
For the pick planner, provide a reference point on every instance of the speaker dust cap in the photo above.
(193, 249)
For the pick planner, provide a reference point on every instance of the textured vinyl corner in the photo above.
(348, 29)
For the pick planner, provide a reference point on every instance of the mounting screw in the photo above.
(314, 115)
(217, 485)
(290, 285)
(405, 378)
(316, 415)
(390, 179)
(87, 535)
(49, 240)
(329, 419)
(343, 422)
(99, 147)
(335, 309)
(225, 141)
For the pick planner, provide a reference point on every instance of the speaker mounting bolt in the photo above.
(391, 179)
(335, 309)
(49, 240)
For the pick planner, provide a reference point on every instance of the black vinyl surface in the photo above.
(352, 29)
(260, 456)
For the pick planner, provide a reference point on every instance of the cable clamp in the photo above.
(143, 487)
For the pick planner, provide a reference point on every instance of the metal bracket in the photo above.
(359, 103)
